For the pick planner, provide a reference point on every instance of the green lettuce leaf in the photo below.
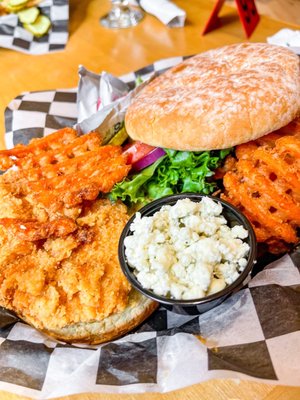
(176, 172)
(132, 190)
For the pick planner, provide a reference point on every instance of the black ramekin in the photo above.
(196, 306)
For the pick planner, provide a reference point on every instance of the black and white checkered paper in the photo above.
(14, 36)
(253, 335)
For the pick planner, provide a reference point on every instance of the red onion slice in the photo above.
(149, 159)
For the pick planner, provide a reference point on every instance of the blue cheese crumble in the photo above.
(186, 251)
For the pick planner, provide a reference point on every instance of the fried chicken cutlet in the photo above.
(69, 279)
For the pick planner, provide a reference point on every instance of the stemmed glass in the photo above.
(122, 15)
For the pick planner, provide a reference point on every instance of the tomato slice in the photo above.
(136, 151)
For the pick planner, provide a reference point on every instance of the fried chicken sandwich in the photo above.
(62, 197)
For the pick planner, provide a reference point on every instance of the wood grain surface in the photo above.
(282, 10)
(121, 51)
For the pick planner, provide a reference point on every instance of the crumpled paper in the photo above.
(97, 91)
(164, 10)
(102, 101)
(287, 38)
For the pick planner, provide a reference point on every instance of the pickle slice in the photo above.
(14, 9)
(17, 3)
(40, 26)
(119, 137)
(29, 15)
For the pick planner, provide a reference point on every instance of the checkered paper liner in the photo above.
(253, 335)
(14, 36)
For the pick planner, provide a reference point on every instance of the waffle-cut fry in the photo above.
(52, 176)
(54, 141)
(48, 159)
(290, 145)
(50, 163)
(246, 150)
(264, 182)
(268, 140)
(262, 233)
(278, 166)
(56, 175)
(84, 180)
(259, 208)
(271, 194)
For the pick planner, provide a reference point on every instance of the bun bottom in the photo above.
(138, 309)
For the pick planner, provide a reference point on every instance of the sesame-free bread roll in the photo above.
(137, 310)
(218, 99)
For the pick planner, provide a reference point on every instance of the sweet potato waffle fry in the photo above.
(52, 177)
(264, 182)
(58, 146)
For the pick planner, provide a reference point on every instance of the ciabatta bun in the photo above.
(218, 99)
(137, 310)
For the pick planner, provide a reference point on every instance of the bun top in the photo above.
(218, 99)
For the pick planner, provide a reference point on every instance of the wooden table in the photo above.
(121, 51)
